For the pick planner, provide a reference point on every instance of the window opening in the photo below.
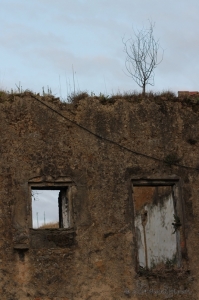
(51, 207)
(157, 223)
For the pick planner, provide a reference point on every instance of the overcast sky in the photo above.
(43, 41)
(44, 207)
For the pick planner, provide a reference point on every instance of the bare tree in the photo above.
(142, 56)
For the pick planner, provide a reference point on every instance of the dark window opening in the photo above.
(51, 207)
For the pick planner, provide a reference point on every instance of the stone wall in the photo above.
(100, 148)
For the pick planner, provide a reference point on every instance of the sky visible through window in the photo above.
(44, 207)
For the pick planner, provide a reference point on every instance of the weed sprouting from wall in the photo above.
(75, 97)
(176, 223)
(49, 91)
(171, 159)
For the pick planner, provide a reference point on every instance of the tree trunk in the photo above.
(144, 89)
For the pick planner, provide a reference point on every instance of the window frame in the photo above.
(64, 185)
(175, 183)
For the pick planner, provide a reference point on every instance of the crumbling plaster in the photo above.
(99, 261)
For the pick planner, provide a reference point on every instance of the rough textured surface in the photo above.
(98, 259)
(156, 237)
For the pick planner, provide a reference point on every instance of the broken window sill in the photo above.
(52, 238)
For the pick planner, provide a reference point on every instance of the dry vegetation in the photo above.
(75, 98)
(49, 225)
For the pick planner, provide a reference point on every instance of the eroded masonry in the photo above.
(125, 174)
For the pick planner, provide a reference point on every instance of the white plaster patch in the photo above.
(160, 244)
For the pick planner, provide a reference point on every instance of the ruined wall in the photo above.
(97, 258)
